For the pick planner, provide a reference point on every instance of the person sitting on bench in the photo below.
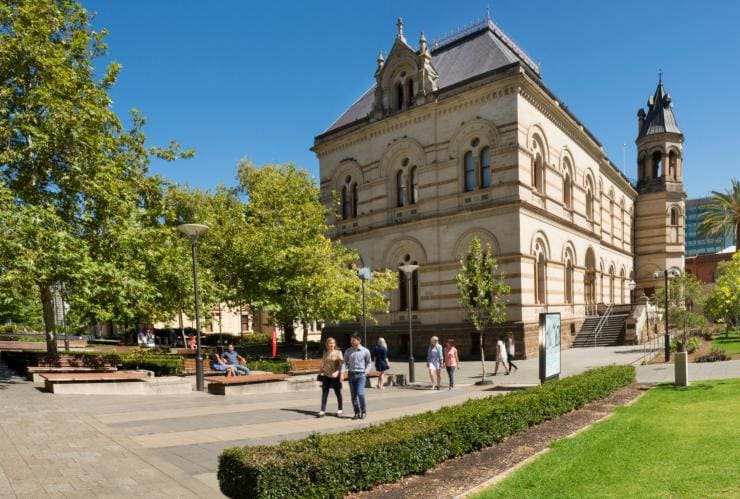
(219, 364)
(235, 361)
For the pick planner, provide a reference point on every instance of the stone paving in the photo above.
(116, 446)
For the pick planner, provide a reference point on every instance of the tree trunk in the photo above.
(737, 236)
(305, 340)
(482, 357)
(47, 306)
(182, 331)
(289, 332)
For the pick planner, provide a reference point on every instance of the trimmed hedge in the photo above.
(332, 465)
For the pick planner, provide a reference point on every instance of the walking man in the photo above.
(357, 362)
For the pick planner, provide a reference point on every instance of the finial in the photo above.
(381, 59)
(399, 25)
(488, 13)
(660, 76)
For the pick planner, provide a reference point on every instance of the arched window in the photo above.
(674, 216)
(403, 293)
(568, 188)
(413, 177)
(409, 92)
(589, 199)
(568, 277)
(611, 213)
(621, 287)
(469, 171)
(540, 274)
(399, 96)
(657, 164)
(355, 201)
(621, 217)
(400, 189)
(345, 203)
(589, 279)
(611, 284)
(538, 173)
(672, 165)
(403, 290)
(485, 167)
(675, 225)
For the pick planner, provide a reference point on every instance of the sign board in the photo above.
(549, 347)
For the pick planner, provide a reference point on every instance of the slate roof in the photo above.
(660, 118)
(480, 50)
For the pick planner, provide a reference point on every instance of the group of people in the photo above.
(356, 362)
(229, 362)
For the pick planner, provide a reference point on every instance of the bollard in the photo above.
(681, 367)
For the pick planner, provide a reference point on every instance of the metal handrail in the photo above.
(602, 321)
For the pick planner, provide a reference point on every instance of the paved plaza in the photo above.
(116, 446)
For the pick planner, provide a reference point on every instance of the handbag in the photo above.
(320, 377)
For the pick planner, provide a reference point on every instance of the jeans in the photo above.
(327, 384)
(451, 375)
(357, 391)
(510, 357)
(240, 369)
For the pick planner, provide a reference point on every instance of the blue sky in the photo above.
(261, 79)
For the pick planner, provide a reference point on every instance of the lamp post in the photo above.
(667, 336)
(408, 270)
(193, 231)
(365, 274)
(633, 286)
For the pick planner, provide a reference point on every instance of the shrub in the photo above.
(692, 344)
(332, 465)
(717, 354)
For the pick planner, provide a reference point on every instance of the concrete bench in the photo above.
(300, 366)
(253, 383)
(89, 383)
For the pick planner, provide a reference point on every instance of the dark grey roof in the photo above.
(480, 50)
(659, 117)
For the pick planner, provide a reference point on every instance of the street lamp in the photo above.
(365, 274)
(193, 231)
(408, 270)
(633, 286)
(667, 337)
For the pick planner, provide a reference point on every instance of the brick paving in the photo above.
(123, 446)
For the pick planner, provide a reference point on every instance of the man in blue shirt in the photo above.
(357, 362)
(235, 360)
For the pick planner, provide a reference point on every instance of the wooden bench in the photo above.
(299, 366)
(70, 364)
(390, 378)
(53, 381)
(220, 385)
(189, 367)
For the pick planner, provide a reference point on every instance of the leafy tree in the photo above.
(722, 216)
(86, 211)
(483, 291)
(684, 292)
(723, 302)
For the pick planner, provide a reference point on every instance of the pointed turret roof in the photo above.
(659, 117)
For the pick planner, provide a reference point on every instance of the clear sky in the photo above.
(235, 78)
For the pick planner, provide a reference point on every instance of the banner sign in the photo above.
(549, 347)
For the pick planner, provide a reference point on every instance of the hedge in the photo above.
(332, 465)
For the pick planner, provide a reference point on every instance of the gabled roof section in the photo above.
(659, 118)
(473, 51)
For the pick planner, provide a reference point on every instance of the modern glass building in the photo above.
(696, 242)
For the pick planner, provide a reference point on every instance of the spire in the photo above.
(422, 43)
(659, 117)
(381, 62)
(399, 26)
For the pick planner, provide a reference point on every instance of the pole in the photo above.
(364, 316)
(667, 338)
(199, 382)
(64, 324)
(412, 378)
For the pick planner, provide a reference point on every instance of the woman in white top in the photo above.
(435, 362)
(500, 355)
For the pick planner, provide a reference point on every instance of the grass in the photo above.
(674, 442)
(730, 344)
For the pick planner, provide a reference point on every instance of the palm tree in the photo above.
(723, 214)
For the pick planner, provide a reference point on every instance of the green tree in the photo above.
(722, 216)
(87, 210)
(684, 293)
(723, 303)
(483, 291)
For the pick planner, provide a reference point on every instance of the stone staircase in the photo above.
(612, 331)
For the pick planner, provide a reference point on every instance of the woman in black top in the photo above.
(381, 361)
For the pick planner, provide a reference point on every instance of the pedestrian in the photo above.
(500, 355)
(191, 342)
(332, 367)
(435, 361)
(510, 352)
(236, 361)
(452, 361)
(381, 361)
(219, 364)
(357, 362)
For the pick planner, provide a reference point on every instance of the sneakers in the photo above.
(356, 416)
(320, 414)
(339, 412)
(363, 415)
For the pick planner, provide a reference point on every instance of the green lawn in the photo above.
(674, 442)
(731, 344)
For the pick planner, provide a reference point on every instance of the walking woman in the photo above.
(510, 352)
(381, 361)
(332, 366)
(500, 355)
(435, 361)
(452, 361)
